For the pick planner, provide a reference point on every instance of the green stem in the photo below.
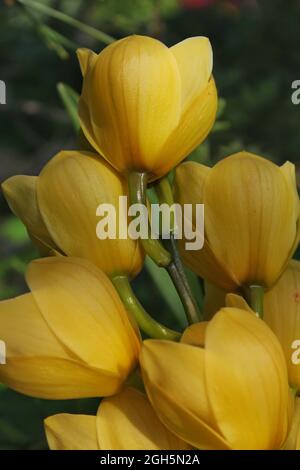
(137, 185)
(177, 273)
(256, 298)
(146, 323)
(59, 15)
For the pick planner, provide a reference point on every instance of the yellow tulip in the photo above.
(59, 209)
(282, 313)
(251, 218)
(71, 336)
(124, 422)
(231, 394)
(145, 106)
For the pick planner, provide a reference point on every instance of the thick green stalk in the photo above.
(256, 299)
(146, 323)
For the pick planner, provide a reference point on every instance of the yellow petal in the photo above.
(189, 186)
(245, 361)
(37, 363)
(70, 188)
(293, 440)
(282, 314)
(71, 432)
(174, 378)
(194, 58)
(195, 334)
(237, 301)
(131, 102)
(194, 126)
(250, 217)
(86, 57)
(81, 306)
(20, 193)
(128, 422)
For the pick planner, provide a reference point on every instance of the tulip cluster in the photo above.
(231, 379)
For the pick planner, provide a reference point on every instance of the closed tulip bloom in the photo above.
(251, 218)
(124, 422)
(145, 106)
(71, 336)
(230, 394)
(60, 208)
(282, 313)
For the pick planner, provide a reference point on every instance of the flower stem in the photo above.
(178, 276)
(256, 298)
(59, 15)
(146, 323)
(137, 184)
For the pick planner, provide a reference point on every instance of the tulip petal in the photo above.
(86, 58)
(189, 187)
(70, 189)
(81, 306)
(194, 126)
(128, 422)
(37, 363)
(194, 58)
(20, 193)
(132, 98)
(71, 432)
(282, 314)
(237, 301)
(246, 361)
(174, 378)
(195, 334)
(293, 440)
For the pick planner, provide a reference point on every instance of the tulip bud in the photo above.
(60, 208)
(251, 219)
(71, 336)
(230, 394)
(124, 422)
(145, 106)
(282, 313)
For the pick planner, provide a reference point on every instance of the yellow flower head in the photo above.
(59, 208)
(230, 394)
(282, 313)
(251, 218)
(145, 106)
(71, 336)
(124, 422)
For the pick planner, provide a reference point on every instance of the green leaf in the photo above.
(14, 230)
(70, 100)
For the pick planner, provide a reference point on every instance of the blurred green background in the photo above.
(256, 59)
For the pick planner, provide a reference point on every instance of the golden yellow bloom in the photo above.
(124, 422)
(251, 218)
(293, 440)
(282, 313)
(145, 106)
(59, 209)
(231, 394)
(71, 336)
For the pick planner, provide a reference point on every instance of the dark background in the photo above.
(256, 59)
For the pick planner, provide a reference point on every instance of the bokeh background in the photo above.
(256, 59)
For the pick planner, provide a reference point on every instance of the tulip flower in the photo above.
(71, 336)
(59, 209)
(230, 394)
(145, 106)
(282, 314)
(251, 219)
(123, 422)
